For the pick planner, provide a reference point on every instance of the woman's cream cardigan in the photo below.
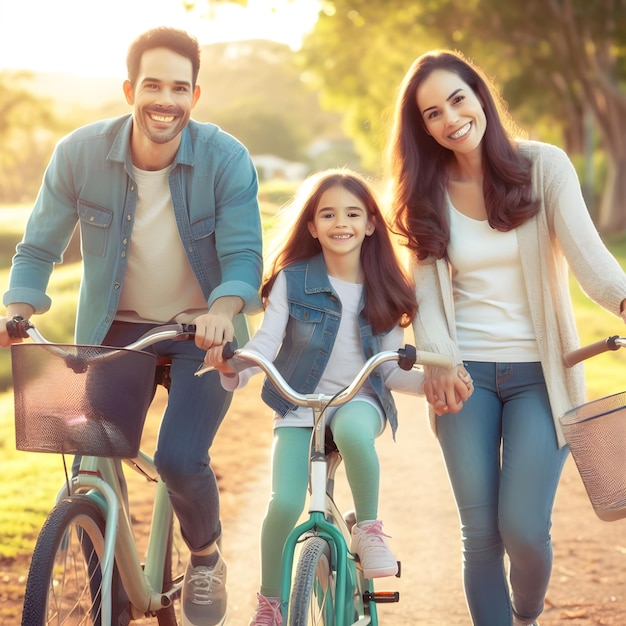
(560, 235)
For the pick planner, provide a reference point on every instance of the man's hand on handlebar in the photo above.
(215, 327)
(17, 309)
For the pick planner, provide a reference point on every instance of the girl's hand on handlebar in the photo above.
(215, 359)
(447, 390)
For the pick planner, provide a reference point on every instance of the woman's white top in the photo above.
(493, 319)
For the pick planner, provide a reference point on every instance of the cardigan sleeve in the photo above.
(434, 322)
(597, 271)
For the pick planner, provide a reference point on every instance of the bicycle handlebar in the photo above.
(406, 357)
(19, 328)
(586, 352)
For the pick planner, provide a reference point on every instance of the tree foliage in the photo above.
(553, 59)
(27, 135)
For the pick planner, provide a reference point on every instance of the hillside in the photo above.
(239, 80)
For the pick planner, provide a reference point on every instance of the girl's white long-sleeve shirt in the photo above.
(346, 357)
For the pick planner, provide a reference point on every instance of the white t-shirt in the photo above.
(493, 319)
(159, 284)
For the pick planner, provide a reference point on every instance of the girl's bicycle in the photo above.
(92, 401)
(596, 435)
(328, 587)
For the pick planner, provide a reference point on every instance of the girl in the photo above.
(335, 294)
(492, 223)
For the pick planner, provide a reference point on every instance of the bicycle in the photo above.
(596, 435)
(328, 587)
(85, 566)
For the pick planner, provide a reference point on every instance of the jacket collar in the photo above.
(120, 150)
(316, 276)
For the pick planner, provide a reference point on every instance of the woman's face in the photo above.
(452, 113)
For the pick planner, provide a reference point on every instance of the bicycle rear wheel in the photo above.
(64, 584)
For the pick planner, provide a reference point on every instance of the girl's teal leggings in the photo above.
(355, 426)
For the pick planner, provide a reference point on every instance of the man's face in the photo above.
(163, 95)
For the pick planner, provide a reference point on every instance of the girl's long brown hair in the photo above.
(390, 297)
(418, 165)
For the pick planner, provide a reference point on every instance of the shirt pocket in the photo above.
(95, 225)
(304, 322)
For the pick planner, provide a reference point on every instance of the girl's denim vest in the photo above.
(314, 315)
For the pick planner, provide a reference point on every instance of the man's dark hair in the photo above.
(177, 41)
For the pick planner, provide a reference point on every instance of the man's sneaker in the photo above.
(370, 545)
(267, 612)
(204, 595)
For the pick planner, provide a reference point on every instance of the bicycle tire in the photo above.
(64, 581)
(314, 589)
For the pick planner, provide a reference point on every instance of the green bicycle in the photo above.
(328, 587)
(92, 401)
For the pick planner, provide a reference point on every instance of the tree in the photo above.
(562, 58)
(26, 137)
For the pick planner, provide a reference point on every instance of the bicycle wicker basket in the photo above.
(87, 400)
(596, 435)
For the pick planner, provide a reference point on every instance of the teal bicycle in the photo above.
(328, 587)
(92, 401)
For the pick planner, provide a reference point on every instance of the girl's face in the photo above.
(341, 222)
(452, 113)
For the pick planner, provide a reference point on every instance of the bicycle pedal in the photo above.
(381, 597)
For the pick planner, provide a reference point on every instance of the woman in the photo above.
(492, 224)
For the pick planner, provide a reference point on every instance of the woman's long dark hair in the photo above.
(389, 293)
(418, 165)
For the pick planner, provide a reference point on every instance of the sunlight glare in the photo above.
(89, 37)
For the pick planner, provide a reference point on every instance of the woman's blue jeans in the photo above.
(504, 467)
(195, 409)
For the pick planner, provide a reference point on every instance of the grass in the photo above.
(41, 475)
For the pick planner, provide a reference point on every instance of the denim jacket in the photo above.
(89, 181)
(314, 316)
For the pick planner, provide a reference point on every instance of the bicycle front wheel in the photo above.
(313, 594)
(175, 564)
(64, 584)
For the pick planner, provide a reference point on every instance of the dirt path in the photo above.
(589, 579)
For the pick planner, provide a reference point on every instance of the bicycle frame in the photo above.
(99, 478)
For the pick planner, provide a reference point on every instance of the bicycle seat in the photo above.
(162, 374)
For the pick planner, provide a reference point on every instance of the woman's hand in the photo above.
(447, 390)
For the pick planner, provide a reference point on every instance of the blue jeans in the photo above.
(504, 466)
(195, 409)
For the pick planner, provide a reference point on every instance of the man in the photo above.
(170, 232)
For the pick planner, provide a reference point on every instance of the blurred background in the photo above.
(305, 85)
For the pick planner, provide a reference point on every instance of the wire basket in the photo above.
(596, 435)
(87, 400)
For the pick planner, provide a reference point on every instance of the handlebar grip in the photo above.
(17, 327)
(228, 351)
(593, 349)
(408, 354)
(435, 360)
